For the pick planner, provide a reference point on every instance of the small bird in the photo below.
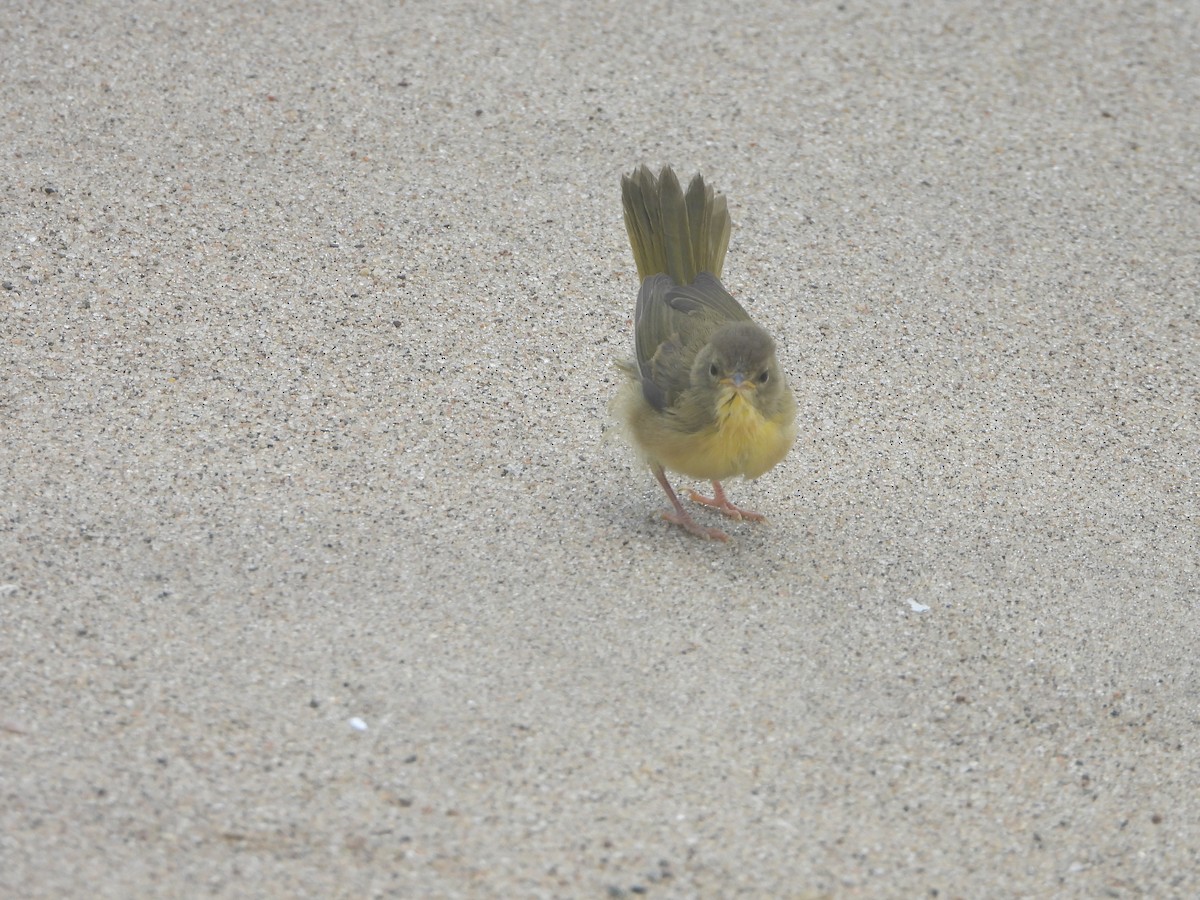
(705, 395)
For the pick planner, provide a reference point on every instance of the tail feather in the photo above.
(673, 233)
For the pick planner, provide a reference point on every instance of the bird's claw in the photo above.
(687, 522)
(722, 504)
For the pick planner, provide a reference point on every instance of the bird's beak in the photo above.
(738, 382)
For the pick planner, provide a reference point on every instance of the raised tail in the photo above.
(681, 235)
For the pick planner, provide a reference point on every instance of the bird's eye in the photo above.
(714, 370)
(763, 376)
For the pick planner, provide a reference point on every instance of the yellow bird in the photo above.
(705, 396)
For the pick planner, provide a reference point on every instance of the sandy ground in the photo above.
(323, 572)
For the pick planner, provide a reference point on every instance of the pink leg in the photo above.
(719, 501)
(681, 517)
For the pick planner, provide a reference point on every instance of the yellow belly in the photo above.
(741, 442)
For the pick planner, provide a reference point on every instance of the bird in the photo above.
(704, 395)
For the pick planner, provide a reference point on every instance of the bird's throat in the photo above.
(737, 415)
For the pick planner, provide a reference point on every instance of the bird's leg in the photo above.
(681, 516)
(719, 501)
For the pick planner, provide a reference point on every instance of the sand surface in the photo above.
(322, 570)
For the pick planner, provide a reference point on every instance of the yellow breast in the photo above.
(741, 442)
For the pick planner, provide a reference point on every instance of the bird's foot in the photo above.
(683, 520)
(721, 503)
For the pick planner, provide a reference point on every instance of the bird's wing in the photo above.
(673, 323)
(707, 298)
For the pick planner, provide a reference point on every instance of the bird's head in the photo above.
(739, 364)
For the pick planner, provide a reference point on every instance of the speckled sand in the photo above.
(323, 573)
